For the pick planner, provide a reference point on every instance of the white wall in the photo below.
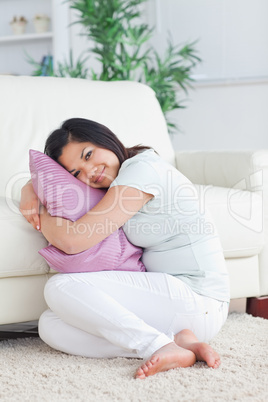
(224, 117)
(228, 107)
(232, 34)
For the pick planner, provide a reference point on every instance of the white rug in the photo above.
(31, 371)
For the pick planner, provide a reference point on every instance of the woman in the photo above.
(164, 315)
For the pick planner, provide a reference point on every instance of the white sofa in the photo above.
(234, 185)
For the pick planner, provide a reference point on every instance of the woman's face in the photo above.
(97, 167)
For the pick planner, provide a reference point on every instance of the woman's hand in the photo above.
(29, 205)
(55, 229)
(118, 205)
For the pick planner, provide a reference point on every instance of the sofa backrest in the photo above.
(32, 107)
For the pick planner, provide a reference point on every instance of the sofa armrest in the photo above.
(245, 170)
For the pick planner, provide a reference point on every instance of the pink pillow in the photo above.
(65, 196)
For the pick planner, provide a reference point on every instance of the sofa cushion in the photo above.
(130, 109)
(20, 243)
(238, 218)
(65, 196)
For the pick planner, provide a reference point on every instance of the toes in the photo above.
(140, 377)
(145, 368)
(210, 361)
(150, 364)
(140, 373)
(213, 362)
(217, 363)
(143, 371)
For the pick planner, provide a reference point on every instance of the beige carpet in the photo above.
(31, 371)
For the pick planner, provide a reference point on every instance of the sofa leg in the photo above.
(257, 306)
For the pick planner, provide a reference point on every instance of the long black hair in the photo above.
(83, 130)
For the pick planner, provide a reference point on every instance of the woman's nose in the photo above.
(90, 172)
(86, 175)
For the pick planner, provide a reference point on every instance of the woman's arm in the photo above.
(29, 205)
(118, 205)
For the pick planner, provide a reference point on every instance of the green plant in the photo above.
(166, 75)
(117, 39)
(68, 68)
(121, 45)
(45, 67)
(73, 69)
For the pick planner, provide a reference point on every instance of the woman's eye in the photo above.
(77, 173)
(88, 155)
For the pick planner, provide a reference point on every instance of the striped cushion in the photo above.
(65, 196)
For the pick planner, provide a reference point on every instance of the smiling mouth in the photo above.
(100, 177)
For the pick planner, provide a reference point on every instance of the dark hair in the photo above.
(83, 130)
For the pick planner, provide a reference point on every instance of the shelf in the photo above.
(25, 37)
(14, 48)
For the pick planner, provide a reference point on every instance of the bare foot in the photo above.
(168, 357)
(202, 350)
(205, 353)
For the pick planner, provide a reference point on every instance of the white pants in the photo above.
(124, 314)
